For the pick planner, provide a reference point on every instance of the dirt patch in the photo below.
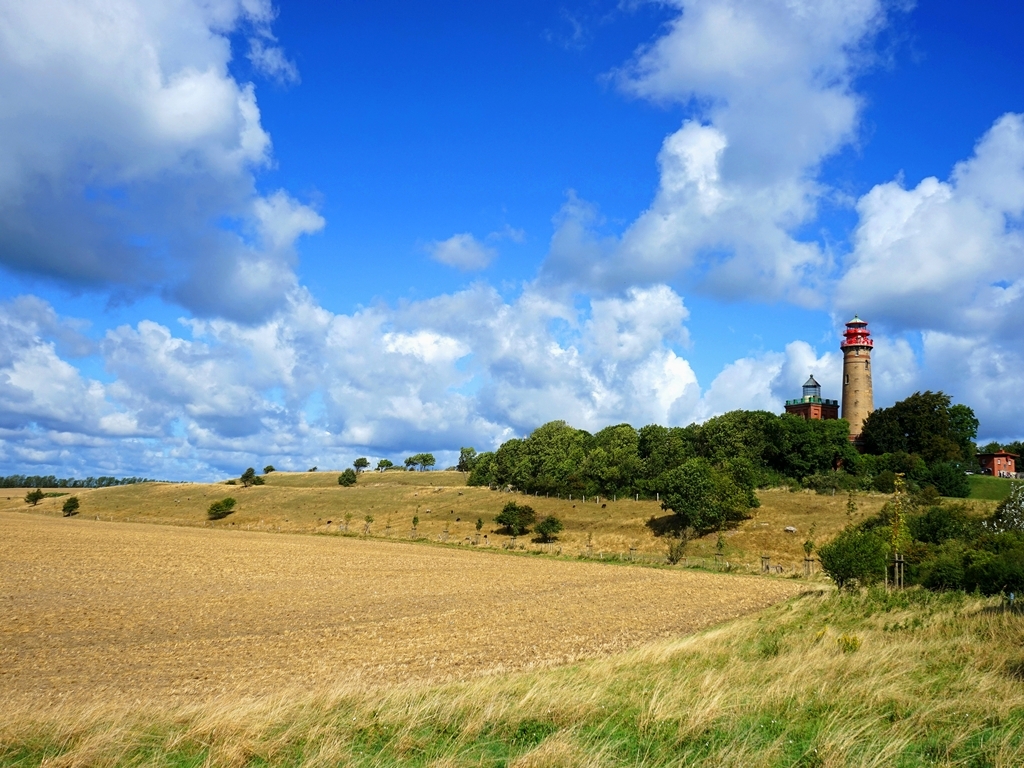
(94, 611)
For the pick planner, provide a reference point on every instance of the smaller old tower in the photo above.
(811, 405)
(858, 400)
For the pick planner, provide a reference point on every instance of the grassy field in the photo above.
(313, 502)
(875, 680)
(187, 642)
(989, 488)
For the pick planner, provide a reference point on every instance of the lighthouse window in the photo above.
(847, 379)
(856, 352)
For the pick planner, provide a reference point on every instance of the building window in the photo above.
(847, 379)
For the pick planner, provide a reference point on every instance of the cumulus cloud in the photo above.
(125, 143)
(462, 251)
(768, 85)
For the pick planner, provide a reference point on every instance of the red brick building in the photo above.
(811, 405)
(998, 464)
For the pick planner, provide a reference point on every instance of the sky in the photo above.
(236, 233)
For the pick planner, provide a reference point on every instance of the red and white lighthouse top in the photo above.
(856, 334)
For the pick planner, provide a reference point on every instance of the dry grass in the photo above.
(934, 682)
(313, 502)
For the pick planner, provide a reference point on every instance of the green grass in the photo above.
(989, 488)
(877, 679)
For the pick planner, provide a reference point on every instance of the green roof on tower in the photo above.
(857, 321)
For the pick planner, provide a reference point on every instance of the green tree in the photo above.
(854, 557)
(613, 465)
(481, 472)
(548, 528)
(479, 524)
(703, 497)
(926, 423)
(347, 478)
(467, 459)
(34, 497)
(70, 506)
(426, 461)
(221, 509)
(663, 448)
(268, 469)
(384, 464)
(361, 463)
(248, 477)
(516, 518)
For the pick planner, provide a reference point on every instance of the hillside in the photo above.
(313, 502)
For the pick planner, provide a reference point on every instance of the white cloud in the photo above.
(769, 85)
(462, 251)
(123, 137)
(946, 255)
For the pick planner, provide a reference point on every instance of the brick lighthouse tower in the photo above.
(858, 401)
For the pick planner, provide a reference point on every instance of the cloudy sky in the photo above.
(235, 233)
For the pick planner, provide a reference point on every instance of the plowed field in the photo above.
(124, 612)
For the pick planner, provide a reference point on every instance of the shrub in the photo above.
(848, 643)
(70, 507)
(854, 556)
(884, 482)
(221, 509)
(1009, 515)
(347, 478)
(516, 518)
(549, 527)
(34, 497)
(949, 479)
(998, 568)
(676, 549)
(268, 469)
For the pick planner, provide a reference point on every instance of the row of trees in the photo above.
(52, 481)
(707, 472)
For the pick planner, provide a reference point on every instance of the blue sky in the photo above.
(234, 233)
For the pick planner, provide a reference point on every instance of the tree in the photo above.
(347, 478)
(384, 464)
(548, 528)
(516, 518)
(248, 477)
(703, 497)
(311, 469)
(467, 459)
(361, 463)
(854, 556)
(70, 506)
(268, 469)
(479, 524)
(926, 423)
(34, 497)
(221, 509)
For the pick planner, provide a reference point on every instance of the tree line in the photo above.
(51, 481)
(708, 472)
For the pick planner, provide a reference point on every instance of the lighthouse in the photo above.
(858, 402)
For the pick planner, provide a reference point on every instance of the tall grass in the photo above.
(870, 679)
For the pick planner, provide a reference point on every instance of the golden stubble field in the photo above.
(313, 502)
(96, 612)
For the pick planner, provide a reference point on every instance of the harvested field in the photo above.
(96, 612)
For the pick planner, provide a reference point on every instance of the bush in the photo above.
(854, 556)
(34, 497)
(347, 478)
(676, 550)
(949, 479)
(1009, 515)
(516, 518)
(221, 509)
(70, 507)
(998, 568)
(884, 482)
(549, 527)
(268, 469)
